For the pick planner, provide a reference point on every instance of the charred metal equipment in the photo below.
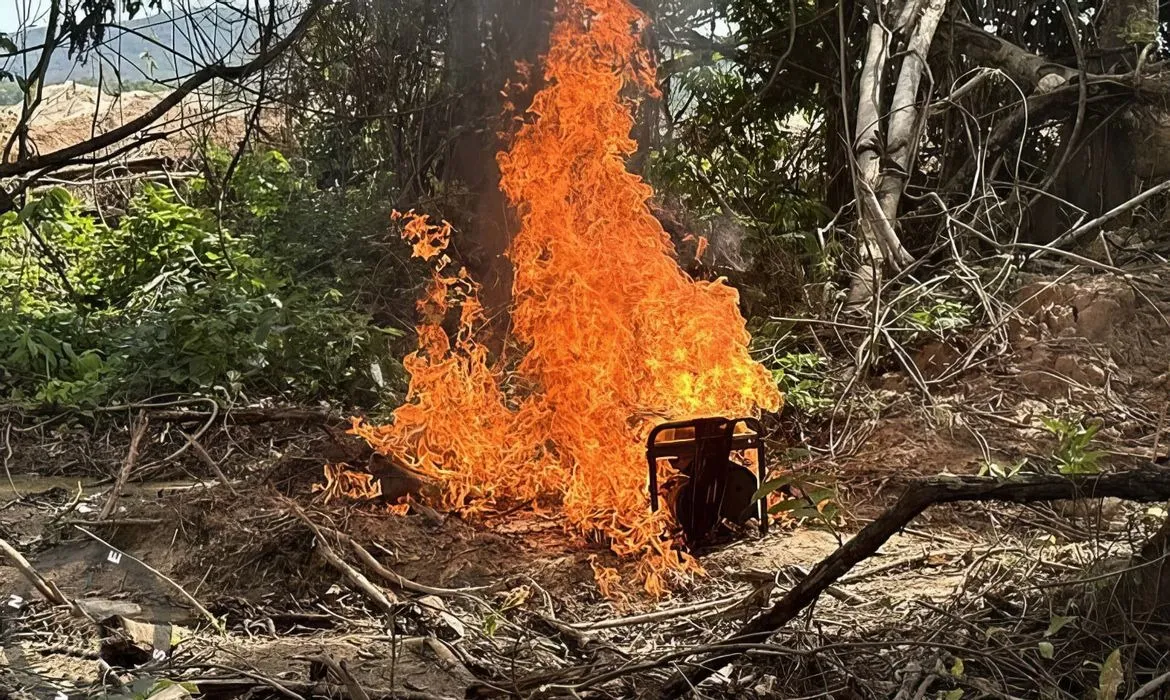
(711, 486)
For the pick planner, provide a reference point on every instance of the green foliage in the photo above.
(1072, 455)
(816, 503)
(1001, 471)
(172, 298)
(801, 376)
(941, 316)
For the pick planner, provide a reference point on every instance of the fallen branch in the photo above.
(44, 586)
(385, 600)
(1147, 485)
(215, 621)
(137, 432)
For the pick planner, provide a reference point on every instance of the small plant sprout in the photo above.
(1072, 454)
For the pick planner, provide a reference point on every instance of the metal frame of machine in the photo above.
(707, 449)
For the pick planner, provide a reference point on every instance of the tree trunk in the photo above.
(1102, 172)
(884, 162)
(488, 39)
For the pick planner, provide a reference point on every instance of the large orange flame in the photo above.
(617, 336)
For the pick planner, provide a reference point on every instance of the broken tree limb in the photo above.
(216, 623)
(385, 600)
(44, 586)
(1148, 485)
(136, 434)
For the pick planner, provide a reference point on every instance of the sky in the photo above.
(13, 12)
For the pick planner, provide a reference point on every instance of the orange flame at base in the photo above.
(342, 482)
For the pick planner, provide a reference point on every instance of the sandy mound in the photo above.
(71, 113)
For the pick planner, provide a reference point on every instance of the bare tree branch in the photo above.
(68, 155)
(1147, 485)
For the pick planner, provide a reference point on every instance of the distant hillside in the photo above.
(144, 50)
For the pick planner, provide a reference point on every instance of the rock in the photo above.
(1079, 370)
(128, 643)
(102, 609)
(1041, 383)
(1095, 321)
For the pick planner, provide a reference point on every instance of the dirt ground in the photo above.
(992, 600)
(71, 113)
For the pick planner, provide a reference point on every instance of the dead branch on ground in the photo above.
(138, 431)
(1151, 484)
(44, 586)
(385, 600)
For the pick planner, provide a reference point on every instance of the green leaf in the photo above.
(953, 694)
(1057, 623)
(1112, 673)
(957, 668)
(1046, 650)
(771, 486)
(790, 504)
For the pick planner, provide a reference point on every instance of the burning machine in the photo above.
(711, 485)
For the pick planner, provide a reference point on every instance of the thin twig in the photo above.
(211, 463)
(215, 621)
(137, 432)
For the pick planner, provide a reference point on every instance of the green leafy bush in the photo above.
(173, 297)
(801, 376)
(941, 316)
